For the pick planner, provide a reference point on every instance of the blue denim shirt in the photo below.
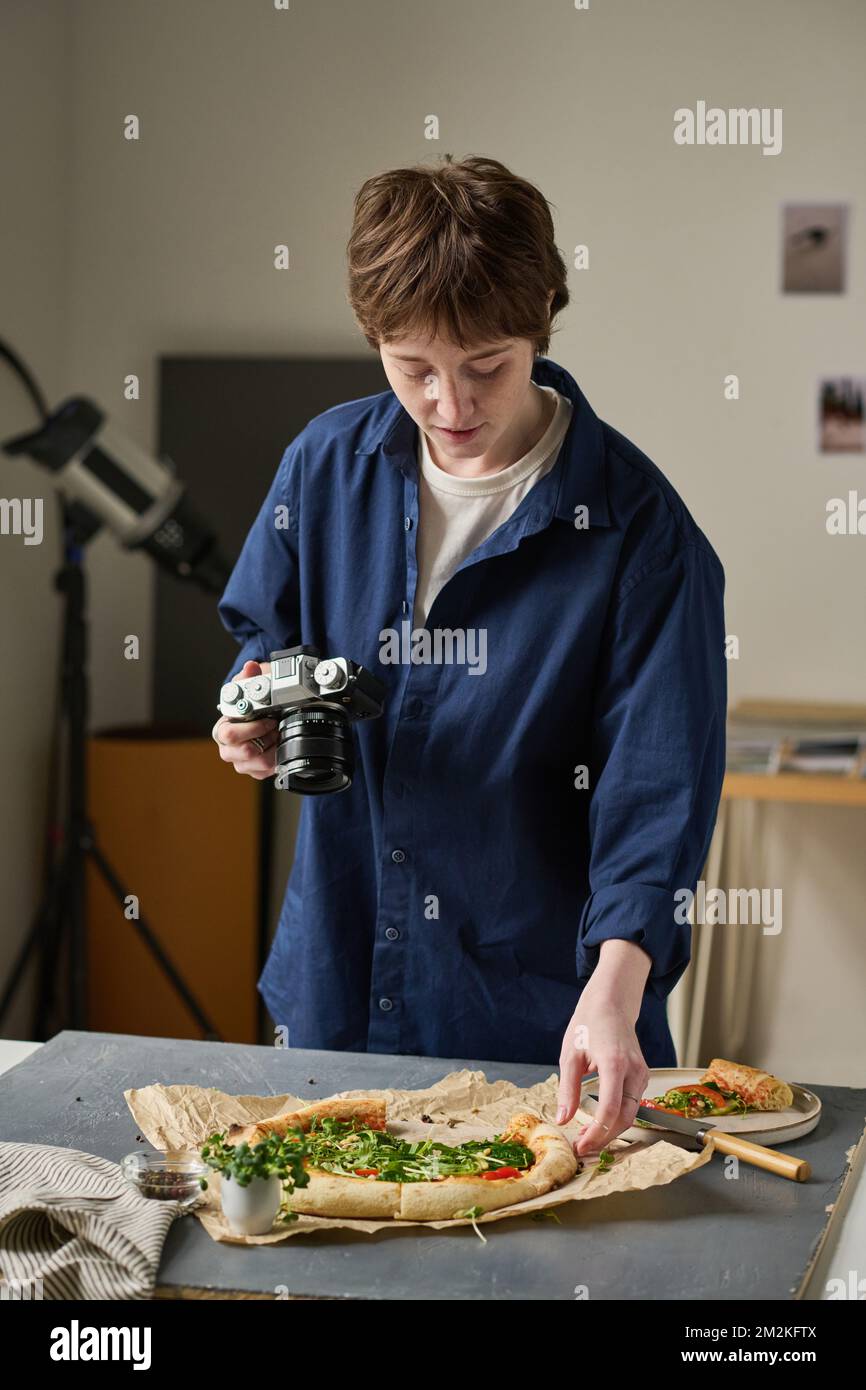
(453, 900)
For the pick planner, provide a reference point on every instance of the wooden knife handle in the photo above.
(784, 1165)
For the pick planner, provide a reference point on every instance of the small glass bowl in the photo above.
(172, 1176)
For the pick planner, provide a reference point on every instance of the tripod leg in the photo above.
(31, 941)
(50, 1016)
(152, 943)
(43, 937)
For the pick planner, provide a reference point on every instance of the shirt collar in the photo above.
(580, 468)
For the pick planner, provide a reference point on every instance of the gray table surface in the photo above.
(703, 1237)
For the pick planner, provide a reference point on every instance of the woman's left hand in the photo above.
(601, 1037)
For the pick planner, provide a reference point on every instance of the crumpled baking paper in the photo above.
(462, 1105)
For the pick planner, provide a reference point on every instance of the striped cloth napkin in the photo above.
(72, 1227)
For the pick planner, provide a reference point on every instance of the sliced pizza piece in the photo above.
(332, 1194)
(759, 1089)
(369, 1111)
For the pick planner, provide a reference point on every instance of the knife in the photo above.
(783, 1165)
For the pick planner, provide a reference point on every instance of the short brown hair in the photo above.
(466, 250)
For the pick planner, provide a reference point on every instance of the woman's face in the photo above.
(476, 405)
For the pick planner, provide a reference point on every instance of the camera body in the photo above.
(314, 701)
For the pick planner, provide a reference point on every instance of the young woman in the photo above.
(498, 882)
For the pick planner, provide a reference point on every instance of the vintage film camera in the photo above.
(315, 701)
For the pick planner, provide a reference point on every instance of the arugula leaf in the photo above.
(341, 1146)
(472, 1213)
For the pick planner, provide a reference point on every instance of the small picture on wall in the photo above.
(814, 248)
(840, 415)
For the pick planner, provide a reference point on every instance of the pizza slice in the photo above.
(726, 1088)
(357, 1168)
(758, 1089)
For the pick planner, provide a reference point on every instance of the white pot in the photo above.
(250, 1210)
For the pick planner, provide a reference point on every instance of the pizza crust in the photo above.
(757, 1088)
(368, 1109)
(331, 1194)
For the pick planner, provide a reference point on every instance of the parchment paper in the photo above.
(182, 1117)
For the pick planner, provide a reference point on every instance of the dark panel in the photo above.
(225, 423)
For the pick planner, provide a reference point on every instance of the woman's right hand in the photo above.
(234, 736)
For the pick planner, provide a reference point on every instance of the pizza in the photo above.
(758, 1089)
(358, 1168)
(726, 1088)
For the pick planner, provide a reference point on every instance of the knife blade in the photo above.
(696, 1129)
(784, 1165)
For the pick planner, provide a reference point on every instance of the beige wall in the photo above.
(36, 89)
(257, 127)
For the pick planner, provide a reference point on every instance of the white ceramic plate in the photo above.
(764, 1127)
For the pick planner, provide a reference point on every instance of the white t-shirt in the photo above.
(457, 514)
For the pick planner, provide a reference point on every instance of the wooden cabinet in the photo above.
(181, 831)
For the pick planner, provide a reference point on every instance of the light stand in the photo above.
(160, 521)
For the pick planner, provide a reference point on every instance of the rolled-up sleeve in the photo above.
(658, 758)
(260, 605)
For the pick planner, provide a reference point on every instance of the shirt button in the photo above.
(407, 522)
(391, 933)
(385, 1005)
(398, 855)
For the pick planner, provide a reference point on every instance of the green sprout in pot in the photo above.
(275, 1157)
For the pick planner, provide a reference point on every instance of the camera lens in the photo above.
(314, 751)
